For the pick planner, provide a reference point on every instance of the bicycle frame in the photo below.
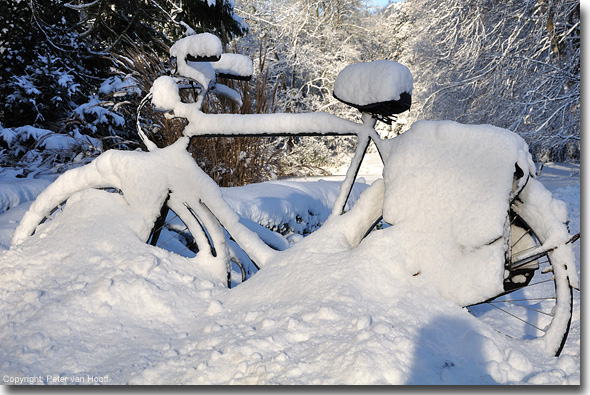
(198, 200)
(277, 124)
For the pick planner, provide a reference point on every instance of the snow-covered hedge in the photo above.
(35, 148)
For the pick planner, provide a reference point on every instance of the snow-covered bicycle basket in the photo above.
(464, 212)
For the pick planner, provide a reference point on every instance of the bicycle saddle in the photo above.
(382, 88)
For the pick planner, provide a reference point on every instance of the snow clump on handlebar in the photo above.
(165, 94)
(203, 45)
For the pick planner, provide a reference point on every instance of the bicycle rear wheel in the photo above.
(537, 302)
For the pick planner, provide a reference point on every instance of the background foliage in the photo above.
(78, 68)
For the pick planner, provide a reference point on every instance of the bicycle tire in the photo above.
(190, 228)
(187, 237)
(524, 311)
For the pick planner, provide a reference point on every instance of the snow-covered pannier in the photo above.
(382, 87)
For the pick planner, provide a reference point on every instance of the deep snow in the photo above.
(86, 301)
(94, 303)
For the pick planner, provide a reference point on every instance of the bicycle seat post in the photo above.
(369, 119)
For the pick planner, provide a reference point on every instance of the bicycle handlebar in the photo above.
(166, 97)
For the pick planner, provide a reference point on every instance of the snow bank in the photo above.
(86, 300)
(14, 192)
(99, 306)
(288, 206)
(104, 289)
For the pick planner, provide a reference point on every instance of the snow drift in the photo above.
(85, 297)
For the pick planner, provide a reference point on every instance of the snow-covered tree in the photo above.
(53, 49)
(109, 25)
(514, 64)
(43, 70)
(57, 56)
(307, 43)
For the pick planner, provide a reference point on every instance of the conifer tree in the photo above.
(53, 51)
(43, 66)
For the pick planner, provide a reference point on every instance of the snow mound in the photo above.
(86, 298)
(18, 191)
(203, 45)
(165, 93)
(289, 206)
(197, 45)
(99, 304)
(235, 64)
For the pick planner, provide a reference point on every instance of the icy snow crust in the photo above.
(85, 296)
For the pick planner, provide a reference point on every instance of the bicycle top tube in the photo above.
(278, 124)
(317, 123)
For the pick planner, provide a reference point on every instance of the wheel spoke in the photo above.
(527, 233)
(523, 300)
(541, 282)
(518, 318)
(167, 222)
(172, 237)
(520, 305)
(188, 246)
(527, 259)
(529, 263)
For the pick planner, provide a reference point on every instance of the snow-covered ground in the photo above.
(91, 303)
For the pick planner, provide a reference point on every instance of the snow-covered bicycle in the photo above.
(462, 206)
